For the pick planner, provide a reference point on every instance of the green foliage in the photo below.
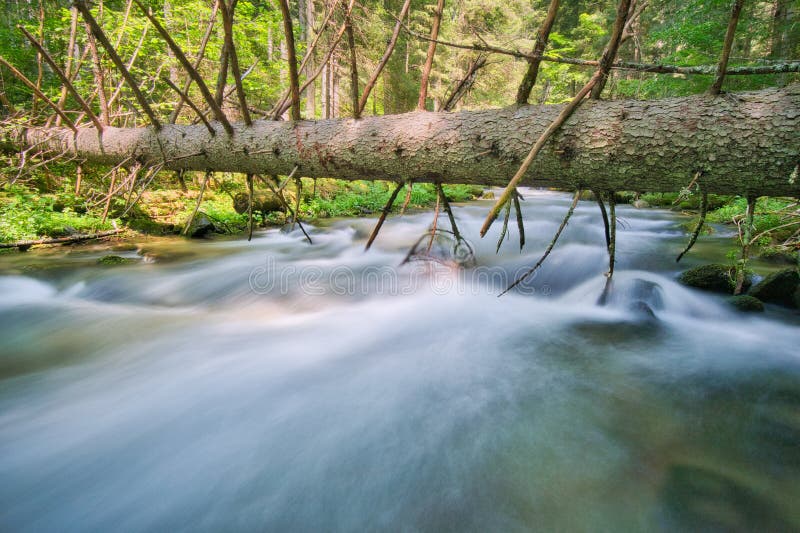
(363, 198)
(775, 221)
(24, 215)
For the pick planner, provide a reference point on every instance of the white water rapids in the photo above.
(277, 386)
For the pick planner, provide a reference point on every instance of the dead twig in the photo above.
(227, 25)
(698, 228)
(190, 70)
(64, 79)
(279, 195)
(112, 54)
(504, 229)
(386, 210)
(185, 99)
(746, 240)
(520, 222)
(609, 54)
(549, 248)
(197, 203)
(529, 80)
(250, 195)
(39, 94)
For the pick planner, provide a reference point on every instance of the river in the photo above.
(279, 386)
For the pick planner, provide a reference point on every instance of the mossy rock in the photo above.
(624, 197)
(713, 277)
(778, 288)
(778, 257)
(262, 203)
(111, 260)
(201, 226)
(747, 304)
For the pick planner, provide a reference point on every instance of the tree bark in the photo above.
(736, 8)
(610, 53)
(294, 84)
(426, 69)
(746, 144)
(529, 80)
(351, 46)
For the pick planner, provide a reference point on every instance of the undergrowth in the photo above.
(25, 214)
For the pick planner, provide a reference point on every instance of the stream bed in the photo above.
(278, 386)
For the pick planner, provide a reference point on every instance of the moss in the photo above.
(111, 260)
(747, 304)
(778, 256)
(713, 277)
(778, 288)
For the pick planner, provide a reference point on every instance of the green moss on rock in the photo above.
(109, 260)
(713, 277)
(747, 304)
(778, 288)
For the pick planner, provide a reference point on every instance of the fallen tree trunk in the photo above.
(745, 143)
(24, 245)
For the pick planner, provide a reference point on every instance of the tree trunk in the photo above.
(426, 69)
(748, 143)
(324, 102)
(311, 92)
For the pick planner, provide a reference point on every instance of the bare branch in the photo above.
(64, 79)
(218, 114)
(386, 210)
(610, 53)
(697, 229)
(351, 45)
(529, 80)
(185, 99)
(362, 103)
(227, 24)
(549, 248)
(199, 59)
(112, 53)
(736, 8)
(426, 69)
(292, 58)
(32, 86)
(780, 67)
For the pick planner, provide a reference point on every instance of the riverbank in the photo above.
(26, 213)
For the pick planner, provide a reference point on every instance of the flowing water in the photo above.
(273, 385)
